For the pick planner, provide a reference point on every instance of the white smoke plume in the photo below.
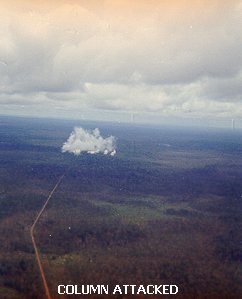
(91, 142)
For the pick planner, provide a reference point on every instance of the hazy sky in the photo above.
(174, 58)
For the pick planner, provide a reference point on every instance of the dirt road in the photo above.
(42, 273)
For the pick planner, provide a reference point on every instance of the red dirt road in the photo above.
(42, 273)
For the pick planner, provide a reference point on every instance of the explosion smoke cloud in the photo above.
(92, 142)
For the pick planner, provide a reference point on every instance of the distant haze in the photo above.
(175, 58)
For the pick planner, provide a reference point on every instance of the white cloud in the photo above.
(91, 142)
(145, 56)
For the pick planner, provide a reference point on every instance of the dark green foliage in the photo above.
(166, 209)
